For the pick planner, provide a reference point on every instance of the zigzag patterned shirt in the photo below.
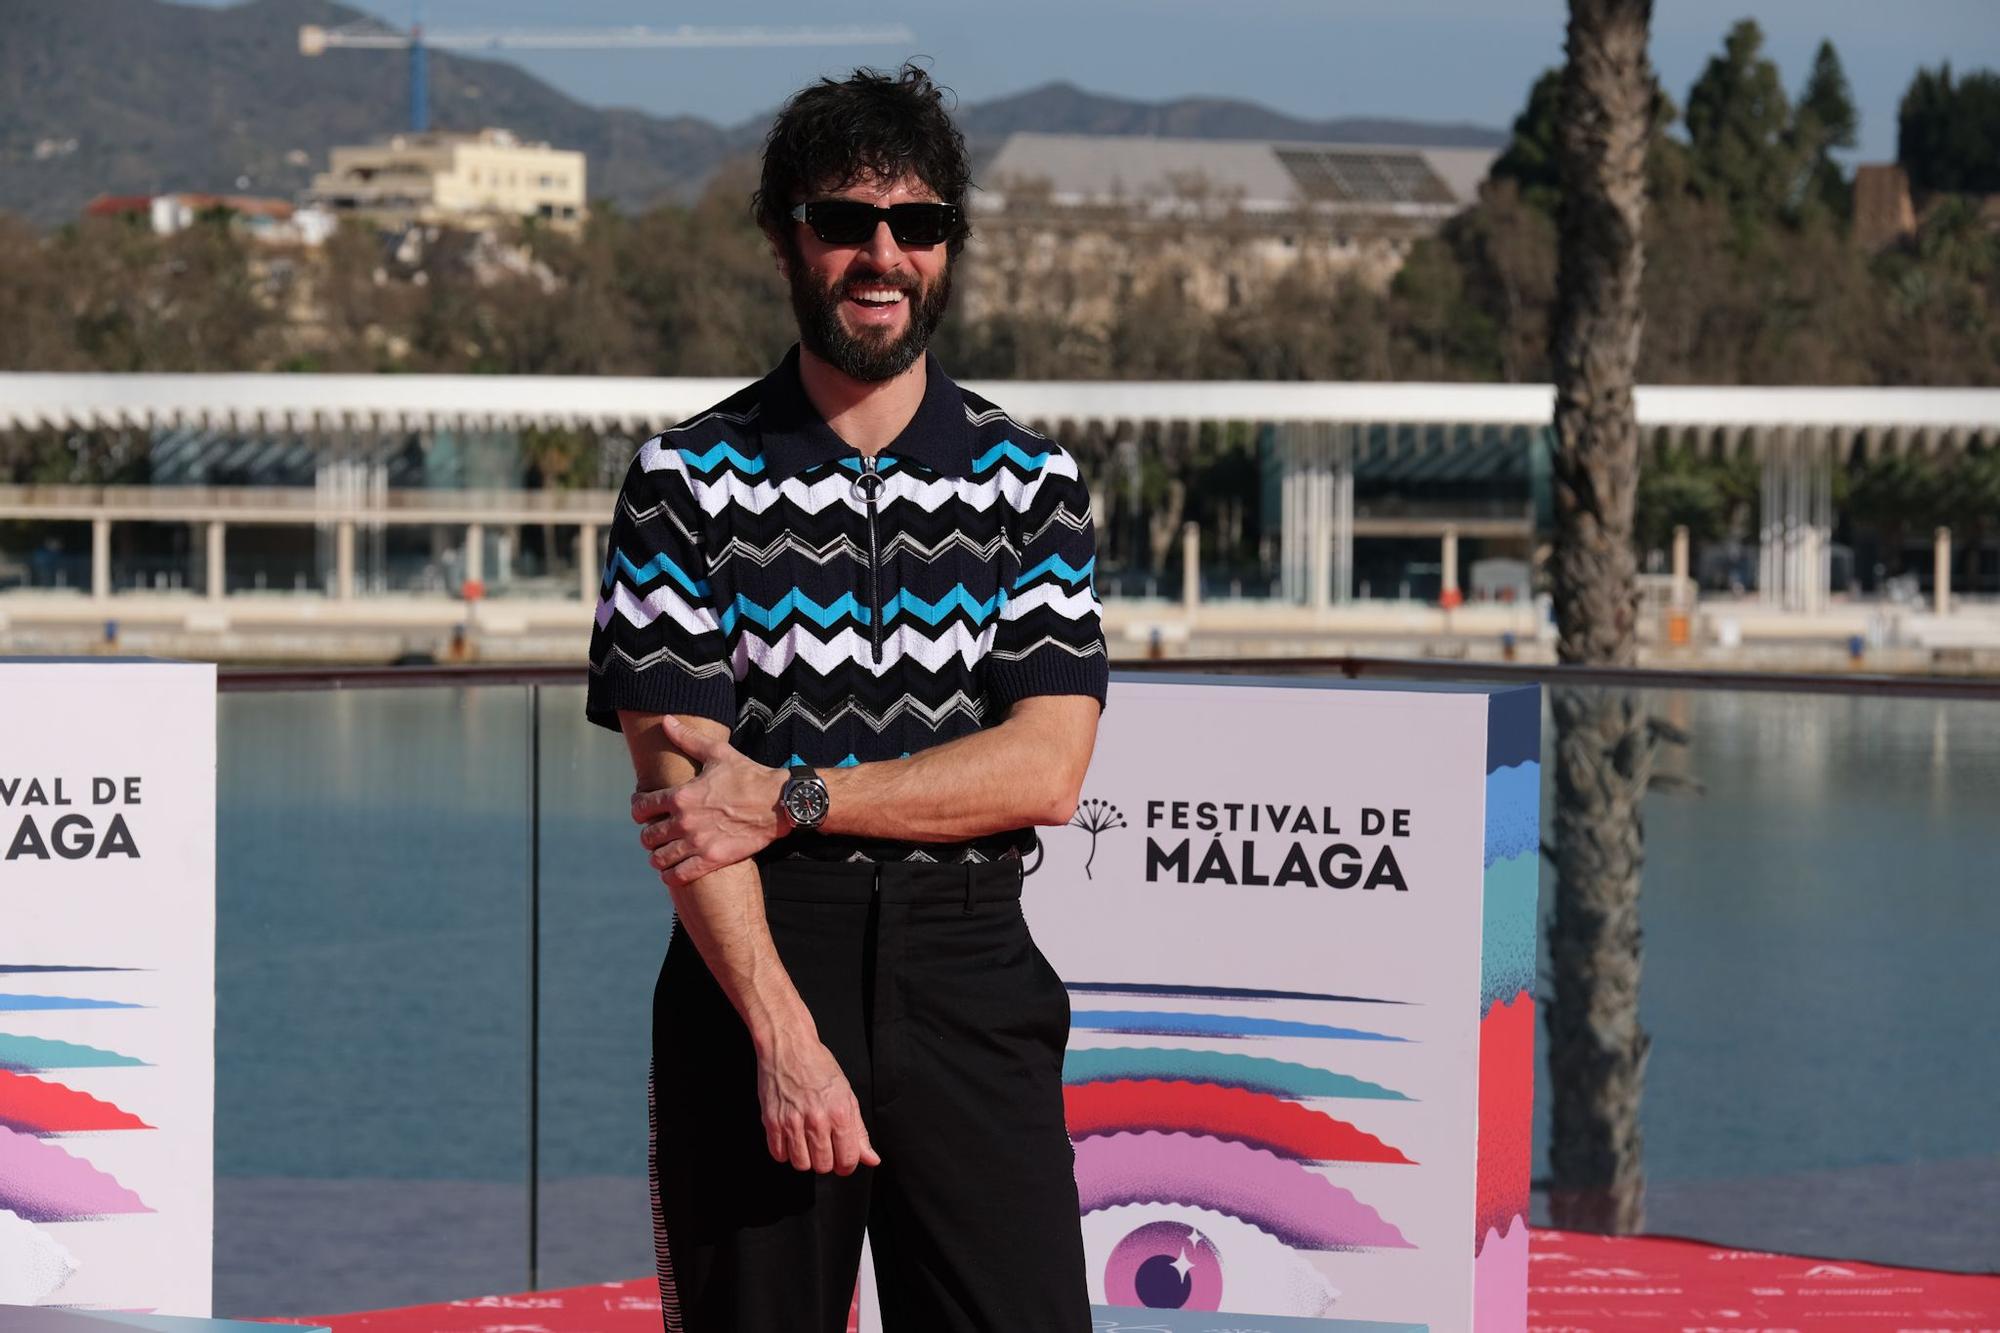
(834, 611)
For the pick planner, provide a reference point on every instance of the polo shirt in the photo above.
(833, 610)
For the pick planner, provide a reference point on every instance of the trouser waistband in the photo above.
(891, 881)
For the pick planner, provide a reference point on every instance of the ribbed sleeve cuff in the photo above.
(659, 690)
(1050, 670)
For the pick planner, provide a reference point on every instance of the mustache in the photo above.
(903, 282)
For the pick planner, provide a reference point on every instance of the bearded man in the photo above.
(850, 633)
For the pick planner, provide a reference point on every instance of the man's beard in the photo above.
(871, 357)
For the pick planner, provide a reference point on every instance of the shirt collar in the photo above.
(796, 437)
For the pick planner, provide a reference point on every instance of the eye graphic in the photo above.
(1175, 1257)
(1200, 1166)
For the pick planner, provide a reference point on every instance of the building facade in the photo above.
(463, 179)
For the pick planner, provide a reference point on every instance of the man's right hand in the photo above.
(811, 1118)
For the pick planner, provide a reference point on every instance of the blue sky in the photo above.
(1443, 60)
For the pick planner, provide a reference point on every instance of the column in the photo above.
(588, 573)
(343, 560)
(100, 559)
(1343, 518)
(1681, 597)
(1941, 573)
(217, 546)
(1320, 520)
(1451, 596)
(475, 553)
(1190, 569)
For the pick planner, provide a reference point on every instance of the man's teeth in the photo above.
(878, 295)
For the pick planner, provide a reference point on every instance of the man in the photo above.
(850, 635)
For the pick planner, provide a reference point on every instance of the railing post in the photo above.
(534, 987)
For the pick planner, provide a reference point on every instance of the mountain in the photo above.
(1064, 108)
(145, 96)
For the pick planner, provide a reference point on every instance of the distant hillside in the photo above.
(143, 96)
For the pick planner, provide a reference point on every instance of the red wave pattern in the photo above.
(34, 1106)
(1255, 1118)
(1506, 1108)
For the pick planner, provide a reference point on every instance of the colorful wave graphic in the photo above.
(1256, 1073)
(1151, 1023)
(1254, 1118)
(31, 1105)
(30, 1054)
(1303, 1210)
(39, 1003)
(42, 1183)
(1506, 1104)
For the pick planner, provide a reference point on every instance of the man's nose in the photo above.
(882, 249)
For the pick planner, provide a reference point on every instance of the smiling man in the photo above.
(850, 634)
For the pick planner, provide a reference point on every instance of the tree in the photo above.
(1597, 1047)
(1739, 125)
(1824, 120)
(1530, 159)
(1948, 135)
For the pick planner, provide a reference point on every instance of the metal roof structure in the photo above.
(1740, 419)
(1258, 176)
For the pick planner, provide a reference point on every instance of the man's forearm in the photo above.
(1027, 770)
(723, 912)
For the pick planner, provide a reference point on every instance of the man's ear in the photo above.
(779, 255)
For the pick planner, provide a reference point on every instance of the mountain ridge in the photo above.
(220, 100)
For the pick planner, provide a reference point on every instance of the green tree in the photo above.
(1824, 120)
(1948, 134)
(1738, 124)
(1530, 159)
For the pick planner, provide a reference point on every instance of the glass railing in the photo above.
(438, 941)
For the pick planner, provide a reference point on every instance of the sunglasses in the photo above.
(852, 222)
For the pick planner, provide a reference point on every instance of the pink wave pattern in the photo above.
(43, 1183)
(1304, 1210)
(1500, 1281)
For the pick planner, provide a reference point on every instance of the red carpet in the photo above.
(1579, 1284)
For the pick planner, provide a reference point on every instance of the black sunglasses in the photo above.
(852, 222)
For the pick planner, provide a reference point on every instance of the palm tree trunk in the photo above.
(1597, 1048)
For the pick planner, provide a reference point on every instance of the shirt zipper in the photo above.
(871, 485)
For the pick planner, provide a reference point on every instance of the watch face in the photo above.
(805, 802)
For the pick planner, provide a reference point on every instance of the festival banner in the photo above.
(1297, 924)
(107, 984)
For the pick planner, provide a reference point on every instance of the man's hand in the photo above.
(811, 1118)
(727, 813)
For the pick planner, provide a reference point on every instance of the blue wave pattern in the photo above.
(1163, 1024)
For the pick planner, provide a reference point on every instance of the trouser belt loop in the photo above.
(969, 878)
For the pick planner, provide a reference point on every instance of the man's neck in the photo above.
(867, 416)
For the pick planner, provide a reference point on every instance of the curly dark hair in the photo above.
(870, 125)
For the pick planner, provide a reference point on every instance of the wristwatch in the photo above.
(804, 797)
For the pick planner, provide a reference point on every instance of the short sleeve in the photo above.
(1050, 637)
(658, 645)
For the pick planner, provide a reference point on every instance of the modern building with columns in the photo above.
(402, 490)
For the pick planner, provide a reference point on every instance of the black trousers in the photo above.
(950, 1025)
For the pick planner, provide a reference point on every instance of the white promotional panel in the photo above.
(1297, 925)
(107, 984)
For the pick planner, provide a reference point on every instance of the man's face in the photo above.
(868, 310)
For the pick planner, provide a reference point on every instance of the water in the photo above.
(1820, 983)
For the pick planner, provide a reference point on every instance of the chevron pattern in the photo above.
(737, 591)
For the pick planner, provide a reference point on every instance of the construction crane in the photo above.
(315, 40)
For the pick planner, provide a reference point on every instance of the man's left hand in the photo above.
(728, 812)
